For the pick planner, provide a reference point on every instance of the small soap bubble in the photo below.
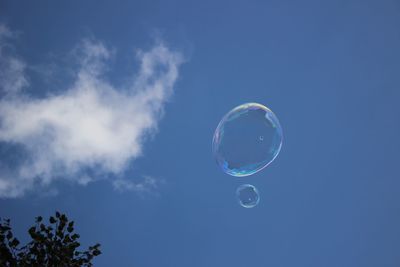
(247, 196)
(247, 139)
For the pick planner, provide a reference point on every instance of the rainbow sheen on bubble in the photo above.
(247, 196)
(247, 139)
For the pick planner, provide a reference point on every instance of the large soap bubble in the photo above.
(247, 195)
(248, 139)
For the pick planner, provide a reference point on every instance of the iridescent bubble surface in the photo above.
(247, 196)
(247, 139)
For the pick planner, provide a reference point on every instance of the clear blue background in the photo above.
(328, 69)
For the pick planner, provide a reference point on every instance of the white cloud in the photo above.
(148, 184)
(92, 125)
(12, 78)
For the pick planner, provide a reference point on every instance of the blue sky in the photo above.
(108, 111)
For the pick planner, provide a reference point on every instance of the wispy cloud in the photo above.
(147, 184)
(92, 125)
(12, 78)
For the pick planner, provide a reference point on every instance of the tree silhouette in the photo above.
(54, 245)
